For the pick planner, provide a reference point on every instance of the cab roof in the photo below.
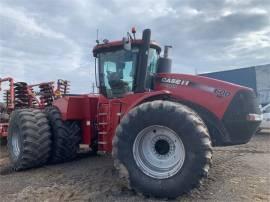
(116, 45)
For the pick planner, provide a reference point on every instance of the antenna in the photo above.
(97, 40)
(93, 87)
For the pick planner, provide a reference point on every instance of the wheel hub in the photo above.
(159, 152)
(162, 147)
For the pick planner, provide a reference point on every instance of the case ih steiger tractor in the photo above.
(159, 126)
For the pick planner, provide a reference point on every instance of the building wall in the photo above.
(257, 78)
(243, 76)
(263, 83)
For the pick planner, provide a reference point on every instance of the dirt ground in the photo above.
(239, 173)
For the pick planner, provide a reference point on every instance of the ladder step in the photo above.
(103, 123)
(104, 107)
(102, 114)
(102, 142)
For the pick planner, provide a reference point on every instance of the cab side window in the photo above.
(151, 67)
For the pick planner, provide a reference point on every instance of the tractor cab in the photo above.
(127, 66)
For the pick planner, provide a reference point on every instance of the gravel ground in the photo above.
(239, 173)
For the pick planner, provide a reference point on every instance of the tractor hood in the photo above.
(215, 95)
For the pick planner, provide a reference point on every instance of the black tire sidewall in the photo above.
(65, 143)
(33, 139)
(15, 126)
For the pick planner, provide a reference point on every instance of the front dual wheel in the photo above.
(162, 149)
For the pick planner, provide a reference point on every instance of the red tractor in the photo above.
(159, 126)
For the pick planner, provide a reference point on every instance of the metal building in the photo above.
(256, 77)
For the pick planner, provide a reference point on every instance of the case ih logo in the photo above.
(175, 81)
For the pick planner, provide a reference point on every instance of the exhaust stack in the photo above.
(165, 63)
(142, 63)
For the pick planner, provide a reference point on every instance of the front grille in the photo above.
(243, 103)
(239, 129)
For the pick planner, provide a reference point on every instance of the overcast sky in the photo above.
(43, 40)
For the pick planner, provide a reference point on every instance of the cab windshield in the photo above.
(117, 71)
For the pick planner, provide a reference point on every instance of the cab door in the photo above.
(116, 73)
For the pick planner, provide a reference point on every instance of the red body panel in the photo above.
(82, 108)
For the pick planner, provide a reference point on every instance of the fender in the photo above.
(133, 100)
(217, 131)
(77, 107)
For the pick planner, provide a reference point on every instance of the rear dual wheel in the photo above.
(162, 149)
(29, 139)
(35, 138)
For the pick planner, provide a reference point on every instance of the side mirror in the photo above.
(127, 43)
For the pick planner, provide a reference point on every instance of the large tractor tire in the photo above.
(162, 149)
(29, 141)
(65, 137)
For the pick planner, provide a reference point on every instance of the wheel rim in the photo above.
(15, 144)
(159, 152)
